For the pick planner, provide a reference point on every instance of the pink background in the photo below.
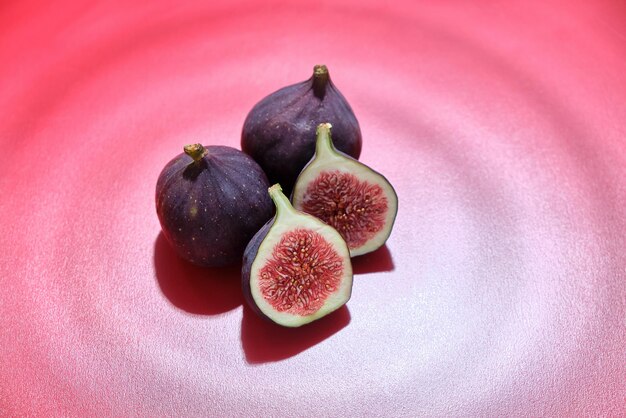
(500, 292)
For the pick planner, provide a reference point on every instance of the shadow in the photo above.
(265, 342)
(197, 290)
(374, 262)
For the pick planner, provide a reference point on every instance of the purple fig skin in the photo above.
(279, 131)
(248, 258)
(210, 207)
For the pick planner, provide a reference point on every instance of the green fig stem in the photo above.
(324, 143)
(196, 151)
(321, 77)
(283, 205)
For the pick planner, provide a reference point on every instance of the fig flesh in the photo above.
(296, 269)
(279, 131)
(357, 201)
(210, 202)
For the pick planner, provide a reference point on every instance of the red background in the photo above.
(500, 292)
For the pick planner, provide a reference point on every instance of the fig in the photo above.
(348, 195)
(210, 202)
(279, 131)
(296, 269)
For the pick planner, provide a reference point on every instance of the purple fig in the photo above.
(210, 202)
(279, 131)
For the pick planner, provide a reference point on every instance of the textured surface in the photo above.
(500, 292)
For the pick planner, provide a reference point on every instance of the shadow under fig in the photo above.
(265, 342)
(211, 291)
(197, 290)
(374, 262)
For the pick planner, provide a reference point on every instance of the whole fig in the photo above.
(279, 131)
(210, 202)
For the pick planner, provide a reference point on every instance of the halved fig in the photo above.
(351, 197)
(296, 269)
(279, 130)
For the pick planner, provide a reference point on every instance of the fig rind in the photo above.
(249, 254)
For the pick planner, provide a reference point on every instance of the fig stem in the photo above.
(196, 151)
(324, 143)
(321, 77)
(283, 205)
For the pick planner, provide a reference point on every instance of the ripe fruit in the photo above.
(279, 131)
(346, 194)
(210, 202)
(296, 269)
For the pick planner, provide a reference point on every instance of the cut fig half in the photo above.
(296, 269)
(348, 195)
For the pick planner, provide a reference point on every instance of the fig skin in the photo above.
(279, 131)
(249, 255)
(210, 201)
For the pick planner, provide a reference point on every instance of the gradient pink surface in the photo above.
(501, 291)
